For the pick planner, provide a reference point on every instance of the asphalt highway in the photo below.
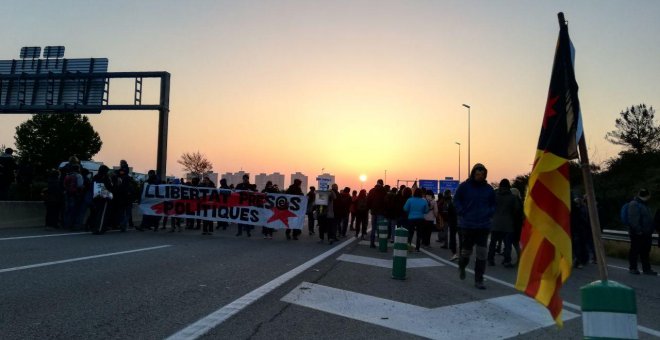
(158, 285)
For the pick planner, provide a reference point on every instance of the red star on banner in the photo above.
(549, 110)
(282, 215)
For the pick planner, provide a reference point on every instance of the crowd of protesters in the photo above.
(71, 202)
(478, 218)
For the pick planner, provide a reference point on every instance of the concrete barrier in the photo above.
(21, 214)
(31, 214)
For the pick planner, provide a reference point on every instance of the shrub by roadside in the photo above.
(620, 249)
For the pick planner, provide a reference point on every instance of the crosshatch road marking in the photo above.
(500, 317)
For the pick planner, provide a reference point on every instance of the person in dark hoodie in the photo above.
(475, 205)
(504, 221)
(640, 230)
(376, 202)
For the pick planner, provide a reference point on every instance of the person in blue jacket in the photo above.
(475, 206)
(416, 207)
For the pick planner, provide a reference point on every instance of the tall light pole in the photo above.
(468, 164)
(459, 160)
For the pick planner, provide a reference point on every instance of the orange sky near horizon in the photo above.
(354, 87)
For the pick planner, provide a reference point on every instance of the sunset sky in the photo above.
(354, 87)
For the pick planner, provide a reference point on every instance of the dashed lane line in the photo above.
(41, 236)
(45, 264)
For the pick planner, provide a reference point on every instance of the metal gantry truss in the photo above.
(15, 98)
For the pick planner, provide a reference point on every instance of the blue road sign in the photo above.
(429, 184)
(449, 185)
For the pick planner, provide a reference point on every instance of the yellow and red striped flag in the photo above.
(546, 259)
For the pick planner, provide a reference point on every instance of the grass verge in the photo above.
(619, 249)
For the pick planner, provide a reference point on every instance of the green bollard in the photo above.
(400, 253)
(609, 311)
(382, 235)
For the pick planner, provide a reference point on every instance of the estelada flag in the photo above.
(546, 259)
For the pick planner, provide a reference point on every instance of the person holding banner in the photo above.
(245, 186)
(224, 186)
(207, 226)
(268, 232)
(294, 189)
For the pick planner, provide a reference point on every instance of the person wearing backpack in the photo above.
(73, 197)
(640, 229)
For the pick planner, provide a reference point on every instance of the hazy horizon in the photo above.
(352, 87)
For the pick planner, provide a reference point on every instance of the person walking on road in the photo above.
(326, 217)
(640, 229)
(449, 218)
(362, 214)
(430, 218)
(311, 209)
(506, 214)
(376, 202)
(475, 206)
(416, 207)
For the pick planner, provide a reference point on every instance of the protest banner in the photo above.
(272, 210)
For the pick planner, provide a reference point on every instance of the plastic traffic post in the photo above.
(400, 253)
(382, 235)
(609, 311)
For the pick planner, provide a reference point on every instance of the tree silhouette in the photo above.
(45, 140)
(195, 163)
(636, 130)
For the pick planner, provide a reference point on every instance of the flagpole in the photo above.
(589, 189)
(593, 210)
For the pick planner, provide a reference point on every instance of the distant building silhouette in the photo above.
(303, 179)
(213, 176)
(276, 178)
(236, 178)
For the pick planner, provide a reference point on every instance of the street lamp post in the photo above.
(459, 160)
(468, 163)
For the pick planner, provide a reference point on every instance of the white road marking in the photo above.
(574, 307)
(40, 236)
(366, 243)
(617, 267)
(500, 317)
(205, 324)
(370, 261)
(80, 259)
(648, 331)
